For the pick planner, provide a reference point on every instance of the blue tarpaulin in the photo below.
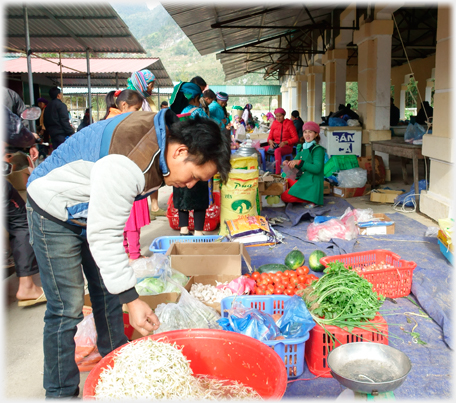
(431, 290)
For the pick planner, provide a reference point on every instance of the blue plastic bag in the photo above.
(249, 322)
(337, 122)
(414, 132)
(406, 198)
(296, 320)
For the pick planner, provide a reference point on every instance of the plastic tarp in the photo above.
(431, 290)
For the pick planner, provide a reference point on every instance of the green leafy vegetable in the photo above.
(150, 286)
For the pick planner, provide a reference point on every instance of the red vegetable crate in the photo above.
(319, 344)
(392, 283)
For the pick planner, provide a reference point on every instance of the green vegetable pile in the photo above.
(342, 298)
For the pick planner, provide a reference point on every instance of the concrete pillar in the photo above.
(438, 201)
(284, 92)
(429, 88)
(374, 77)
(335, 62)
(314, 93)
(301, 80)
(402, 101)
(293, 96)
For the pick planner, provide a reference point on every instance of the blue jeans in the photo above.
(62, 257)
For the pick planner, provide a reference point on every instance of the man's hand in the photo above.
(34, 153)
(142, 318)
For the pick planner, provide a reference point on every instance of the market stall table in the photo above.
(399, 148)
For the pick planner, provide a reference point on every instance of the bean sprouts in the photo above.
(159, 370)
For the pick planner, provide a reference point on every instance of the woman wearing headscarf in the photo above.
(247, 115)
(143, 81)
(282, 137)
(196, 198)
(178, 101)
(217, 110)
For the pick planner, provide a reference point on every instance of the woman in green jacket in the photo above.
(310, 161)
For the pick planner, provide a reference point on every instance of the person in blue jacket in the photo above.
(217, 109)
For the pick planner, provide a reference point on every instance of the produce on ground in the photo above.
(272, 268)
(158, 370)
(209, 294)
(314, 260)
(294, 259)
(342, 298)
(289, 282)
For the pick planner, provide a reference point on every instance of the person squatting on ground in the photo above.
(310, 162)
(282, 137)
(83, 194)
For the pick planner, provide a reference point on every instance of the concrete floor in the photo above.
(23, 327)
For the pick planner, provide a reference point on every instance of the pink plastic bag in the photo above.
(256, 144)
(241, 285)
(343, 228)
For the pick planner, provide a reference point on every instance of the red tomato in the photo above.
(291, 287)
(255, 275)
(313, 277)
(279, 273)
(286, 273)
(306, 269)
(277, 279)
(263, 287)
(260, 291)
(278, 290)
(255, 288)
(299, 271)
(308, 281)
(280, 286)
(264, 276)
(270, 287)
(302, 278)
(294, 281)
(301, 286)
(289, 292)
(285, 280)
(268, 292)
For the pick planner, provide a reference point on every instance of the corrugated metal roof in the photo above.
(196, 20)
(102, 70)
(247, 90)
(69, 28)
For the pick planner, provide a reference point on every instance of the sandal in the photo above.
(29, 302)
(310, 205)
(189, 234)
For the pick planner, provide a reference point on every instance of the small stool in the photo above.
(271, 158)
(263, 160)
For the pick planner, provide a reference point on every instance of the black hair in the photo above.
(209, 94)
(131, 97)
(295, 114)
(86, 118)
(110, 103)
(198, 81)
(164, 103)
(341, 106)
(349, 106)
(53, 92)
(205, 143)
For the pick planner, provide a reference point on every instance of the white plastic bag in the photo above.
(352, 178)
(353, 122)
(153, 266)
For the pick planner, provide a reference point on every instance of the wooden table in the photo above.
(399, 148)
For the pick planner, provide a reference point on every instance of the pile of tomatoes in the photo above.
(289, 282)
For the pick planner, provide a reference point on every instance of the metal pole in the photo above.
(61, 74)
(88, 86)
(98, 109)
(29, 66)
(117, 81)
(158, 89)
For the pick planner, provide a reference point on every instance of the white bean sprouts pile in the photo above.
(159, 371)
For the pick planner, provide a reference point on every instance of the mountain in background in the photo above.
(161, 37)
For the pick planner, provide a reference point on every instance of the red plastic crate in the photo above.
(211, 221)
(320, 344)
(392, 283)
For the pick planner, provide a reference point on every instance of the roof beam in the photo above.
(285, 52)
(70, 36)
(221, 24)
(258, 42)
(63, 17)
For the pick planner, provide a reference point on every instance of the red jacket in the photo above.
(289, 132)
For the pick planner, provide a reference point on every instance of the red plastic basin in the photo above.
(221, 354)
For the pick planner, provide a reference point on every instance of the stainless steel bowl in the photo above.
(367, 367)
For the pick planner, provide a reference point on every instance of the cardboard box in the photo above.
(384, 195)
(342, 140)
(346, 193)
(445, 241)
(380, 172)
(327, 188)
(272, 185)
(379, 229)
